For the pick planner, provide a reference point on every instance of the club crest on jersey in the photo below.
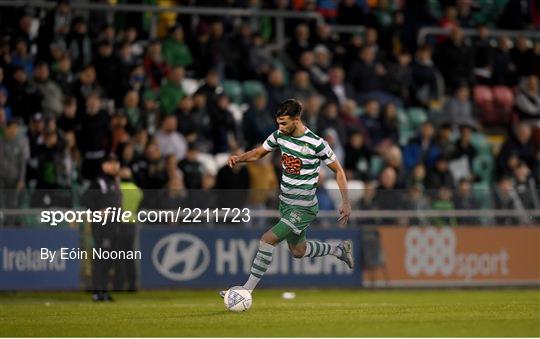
(304, 149)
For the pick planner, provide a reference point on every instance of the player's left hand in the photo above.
(344, 213)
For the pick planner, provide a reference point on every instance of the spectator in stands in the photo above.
(169, 140)
(518, 146)
(515, 15)
(258, 122)
(14, 150)
(422, 148)
(224, 132)
(62, 74)
(399, 76)
(107, 65)
(417, 177)
(95, 138)
(525, 186)
(424, 82)
(219, 50)
(357, 158)
(49, 91)
(443, 202)
(329, 118)
(337, 90)
(192, 169)
(323, 57)
(366, 73)
(239, 45)
(202, 52)
(79, 44)
(527, 101)
(84, 86)
(367, 202)
(455, 60)
(464, 146)
(317, 75)
(194, 124)
(155, 66)
(448, 21)
(416, 201)
(506, 198)
(351, 119)
(444, 140)
(276, 89)
(464, 199)
(211, 88)
(387, 196)
(171, 92)
(6, 110)
(54, 27)
(299, 44)
(68, 122)
(504, 69)
(523, 57)
(458, 109)
(312, 108)
(372, 122)
(350, 13)
(465, 15)
(150, 174)
(440, 176)
(484, 56)
(234, 184)
(36, 129)
(21, 56)
(131, 110)
(390, 124)
(175, 50)
(301, 87)
(24, 98)
(260, 57)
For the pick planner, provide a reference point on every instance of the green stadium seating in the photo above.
(233, 89)
(481, 144)
(417, 116)
(483, 166)
(376, 165)
(251, 88)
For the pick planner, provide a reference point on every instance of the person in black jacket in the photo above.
(104, 192)
(95, 138)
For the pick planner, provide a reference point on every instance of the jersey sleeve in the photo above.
(325, 153)
(270, 144)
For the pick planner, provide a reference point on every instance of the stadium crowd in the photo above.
(413, 125)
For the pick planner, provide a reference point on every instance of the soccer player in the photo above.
(302, 152)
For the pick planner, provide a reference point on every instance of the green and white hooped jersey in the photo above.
(301, 160)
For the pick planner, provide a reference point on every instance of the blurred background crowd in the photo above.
(449, 123)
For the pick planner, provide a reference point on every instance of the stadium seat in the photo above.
(483, 167)
(483, 100)
(251, 88)
(234, 90)
(481, 143)
(376, 166)
(417, 116)
(503, 103)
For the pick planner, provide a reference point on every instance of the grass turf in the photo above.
(314, 313)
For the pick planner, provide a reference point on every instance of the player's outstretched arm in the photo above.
(253, 155)
(345, 209)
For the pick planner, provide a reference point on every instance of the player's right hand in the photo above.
(233, 160)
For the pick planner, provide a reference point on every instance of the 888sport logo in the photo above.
(430, 251)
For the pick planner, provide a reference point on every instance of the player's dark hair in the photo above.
(290, 107)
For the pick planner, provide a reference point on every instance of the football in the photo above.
(237, 299)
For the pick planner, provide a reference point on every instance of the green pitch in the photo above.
(314, 313)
